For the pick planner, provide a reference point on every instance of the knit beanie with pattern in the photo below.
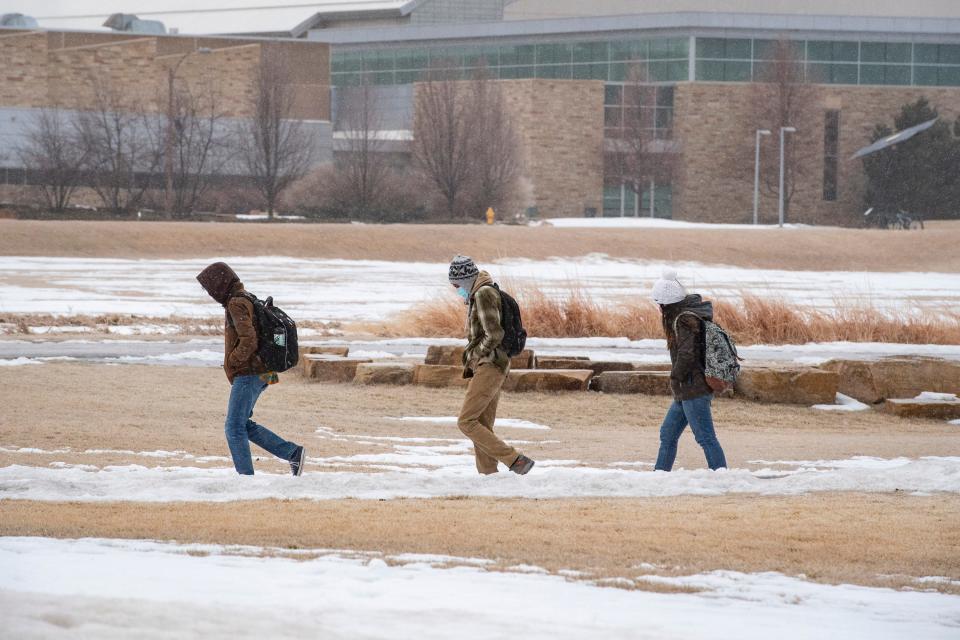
(462, 270)
(668, 290)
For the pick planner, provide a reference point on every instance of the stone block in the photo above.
(874, 381)
(444, 355)
(523, 360)
(797, 385)
(438, 375)
(652, 383)
(548, 380)
(554, 362)
(596, 366)
(384, 373)
(918, 408)
(327, 368)
(343, 351)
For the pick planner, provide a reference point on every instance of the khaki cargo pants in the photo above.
(478, 414)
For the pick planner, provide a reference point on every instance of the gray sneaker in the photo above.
(522, 465)
(296, 462)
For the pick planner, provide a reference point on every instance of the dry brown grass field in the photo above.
(870, 539)
(815, 248)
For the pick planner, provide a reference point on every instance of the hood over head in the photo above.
(693, 303)
(219, 281)
(483, 280)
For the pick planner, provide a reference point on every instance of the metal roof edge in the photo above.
(635, 22)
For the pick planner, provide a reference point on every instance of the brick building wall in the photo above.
(560, 123)
(715, 179)
(47, 68)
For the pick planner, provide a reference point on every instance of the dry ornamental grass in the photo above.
(752, 320)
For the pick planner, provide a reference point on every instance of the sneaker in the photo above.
(522, 465)
(296, 462)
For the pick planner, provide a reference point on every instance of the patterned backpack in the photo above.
(721, 362)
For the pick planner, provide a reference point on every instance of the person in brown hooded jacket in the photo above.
(246, 373)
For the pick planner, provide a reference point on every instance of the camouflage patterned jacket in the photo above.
(483, 326)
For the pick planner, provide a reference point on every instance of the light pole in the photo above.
(783, 131)
(168, 143)
(756, 176)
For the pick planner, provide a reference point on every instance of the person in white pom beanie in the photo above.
(682, 315)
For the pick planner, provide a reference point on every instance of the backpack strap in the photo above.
(684, 313)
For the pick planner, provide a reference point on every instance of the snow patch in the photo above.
(511, 423)
(844, 403)
(140, 589)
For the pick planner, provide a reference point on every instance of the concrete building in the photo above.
(564, 64)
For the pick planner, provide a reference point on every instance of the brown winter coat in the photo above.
(240, 332)
(687, 379)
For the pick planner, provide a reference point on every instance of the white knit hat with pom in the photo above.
(668, 290)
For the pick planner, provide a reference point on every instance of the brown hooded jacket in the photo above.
(240, 331)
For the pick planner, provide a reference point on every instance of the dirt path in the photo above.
(793, 249)
(143, 408)
(884, 540)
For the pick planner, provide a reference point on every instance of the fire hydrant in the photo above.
(490, 215)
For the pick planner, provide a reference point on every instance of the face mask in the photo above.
(463, 293)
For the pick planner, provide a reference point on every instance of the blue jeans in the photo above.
(696, 413)
(241, 430)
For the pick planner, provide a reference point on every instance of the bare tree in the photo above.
(122, 148)
(198, 143)
(497, 162)
(55, 156)
(443, 138)
(782, 96)
(275, 148)
(362, 167)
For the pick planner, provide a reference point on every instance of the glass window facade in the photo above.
(621, 201)
(655, 59)
(651, 105)
(832, 62)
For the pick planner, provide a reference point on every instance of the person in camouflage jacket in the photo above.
(486, 364)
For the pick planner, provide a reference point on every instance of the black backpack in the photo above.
(276, 335)
(514, 335)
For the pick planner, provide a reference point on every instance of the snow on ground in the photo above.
(125, 588)
(844, 403)
(439, 469)
(18, 362)
(206, 352)
(509, 423)
(640, 222)
(366, 290)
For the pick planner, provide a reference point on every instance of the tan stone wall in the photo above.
(23, 73)
(48, 68)
(560, 123)
(715, 181)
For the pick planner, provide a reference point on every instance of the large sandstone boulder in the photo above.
(553, 362)
(523, 360)
(326, 368)
(548, 380)
(343, 352)
(433, 375)
(654, 383)
(445, 355)
(920, 408)
(384, 373)
(875, 381)
(597, 367)
(793, 385)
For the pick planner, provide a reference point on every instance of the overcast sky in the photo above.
(49, 12)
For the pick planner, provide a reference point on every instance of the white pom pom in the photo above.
(669, 274)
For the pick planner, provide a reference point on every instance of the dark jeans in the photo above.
(696, 413)
(241, 430)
